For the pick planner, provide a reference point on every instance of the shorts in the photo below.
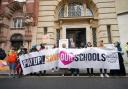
(12, 66)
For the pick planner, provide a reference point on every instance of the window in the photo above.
(18, 23)
(61, 13)
(109, 34)
(58, 36)
(94, 37)
(75, 9)
(72, 9)
(89, 12)
(45, 30)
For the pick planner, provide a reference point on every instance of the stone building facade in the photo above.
(48, 21)
(18, 21)
(82, 20)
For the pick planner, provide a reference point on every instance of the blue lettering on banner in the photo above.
(33, 61)
(90, 57)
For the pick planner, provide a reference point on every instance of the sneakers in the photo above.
(77, 75)
(101, 75)
(62, 74)
(106, 75)
(52, 70)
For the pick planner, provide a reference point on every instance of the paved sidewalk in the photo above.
(58, 73)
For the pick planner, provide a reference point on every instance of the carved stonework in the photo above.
(28, 36)
(3, 38)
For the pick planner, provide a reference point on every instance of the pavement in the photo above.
(53, 80)
(4, 74)
(64, 83)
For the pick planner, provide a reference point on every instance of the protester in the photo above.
(126, 48)
(11, 60)
(2, 54)
(64, 70)
(19, 70)
(56, 68)
(101, 45)
(121, 71)
(42, 47)
(89, 70)
(33, 49)
(74, 71)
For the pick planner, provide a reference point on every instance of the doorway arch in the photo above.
(16, 40)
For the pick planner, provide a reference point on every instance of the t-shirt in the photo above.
(12, 57)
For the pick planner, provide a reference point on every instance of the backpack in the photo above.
(2, 54)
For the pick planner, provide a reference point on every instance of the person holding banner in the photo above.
(64, 70)
(42, 47)
(121, 71)
(74, 71)
(89, 70)
(101, 45)
(126, 48)
(19, 70)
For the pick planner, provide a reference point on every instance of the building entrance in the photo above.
(77, 35)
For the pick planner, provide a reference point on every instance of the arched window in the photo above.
(75, 9)
(61, 13)
(89, 12)
(16, 37)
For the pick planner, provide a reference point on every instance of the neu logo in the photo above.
(66, 58)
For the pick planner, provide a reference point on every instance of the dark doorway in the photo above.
(78, 35)
(16, 41)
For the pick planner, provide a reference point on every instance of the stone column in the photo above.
(63, 33)
(88, 34)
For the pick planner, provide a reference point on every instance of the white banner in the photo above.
(88, 58)
(69, 58)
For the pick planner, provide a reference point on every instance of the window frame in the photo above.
(19, 24)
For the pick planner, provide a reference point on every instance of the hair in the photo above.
(42, 46)
(63, 45)
(89, 44)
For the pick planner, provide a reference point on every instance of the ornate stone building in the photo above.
(47, 21)
(17, 21)
(82, 20)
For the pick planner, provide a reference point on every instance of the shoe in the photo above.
(101, 75)
(106, 75)
(10, 76)
(52, 70)
(72, 75)
(62, 74)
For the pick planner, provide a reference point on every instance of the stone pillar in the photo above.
(63, 33)
(88, 34)
(107, 16)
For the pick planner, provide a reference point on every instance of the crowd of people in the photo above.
(12, 58)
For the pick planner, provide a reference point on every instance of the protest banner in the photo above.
(88, 58)
(3, 65)
(47, 59)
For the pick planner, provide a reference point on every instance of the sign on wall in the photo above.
(63, 42)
